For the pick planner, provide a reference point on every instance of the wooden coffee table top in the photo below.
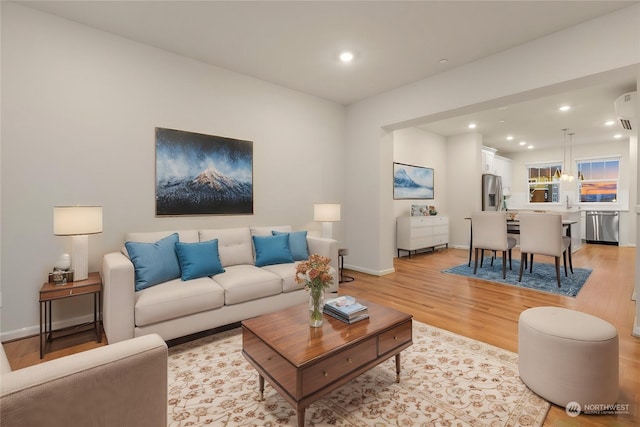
(288, 332)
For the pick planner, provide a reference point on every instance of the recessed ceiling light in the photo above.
(617, 136)
(523, 143)
(443, 61)
(509, 138)
(346, 56)
(564, 108)
(530, 147)
(472, 126)
(609, 123)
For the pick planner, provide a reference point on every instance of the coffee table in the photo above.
(303, 363)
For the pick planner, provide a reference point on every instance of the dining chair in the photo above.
(542, 234)
(489, 232)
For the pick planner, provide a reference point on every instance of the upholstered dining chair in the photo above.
(489, 232)
(542, 234)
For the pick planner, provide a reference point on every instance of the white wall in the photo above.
(417, 147)
(552, 63)
(79, 108)
(464, 185)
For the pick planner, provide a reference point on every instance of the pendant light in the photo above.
(566, 174)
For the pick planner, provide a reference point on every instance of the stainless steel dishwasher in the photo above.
(602, 227)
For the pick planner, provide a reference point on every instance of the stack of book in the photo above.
(346, 308)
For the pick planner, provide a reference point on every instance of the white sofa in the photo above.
(176, 308)
(124, 384)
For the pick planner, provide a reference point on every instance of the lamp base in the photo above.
(80, 257)
(327, 230)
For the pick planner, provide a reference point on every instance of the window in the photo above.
(598, 180)
(544, 186)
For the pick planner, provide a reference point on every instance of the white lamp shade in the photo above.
(326, 212)
(77, 220)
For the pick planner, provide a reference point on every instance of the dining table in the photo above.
(513, 227)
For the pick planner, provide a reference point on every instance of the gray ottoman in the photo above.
(568, 356)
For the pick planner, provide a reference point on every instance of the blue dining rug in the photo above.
(542, 279)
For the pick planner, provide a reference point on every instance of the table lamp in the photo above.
(78, 222)
(327, 213)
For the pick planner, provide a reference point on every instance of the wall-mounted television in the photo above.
(412, 182)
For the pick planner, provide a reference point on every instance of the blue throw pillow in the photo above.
(199, 259)
(154, 262)
(297, 244)
(272, 250)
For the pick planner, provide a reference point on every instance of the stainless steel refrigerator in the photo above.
(491, 192)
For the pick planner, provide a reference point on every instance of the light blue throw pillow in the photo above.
(272, 250)
(297, 244)
(154, 262)
(199, 259)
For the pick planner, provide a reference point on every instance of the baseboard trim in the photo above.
(368, 271)
(34, 330)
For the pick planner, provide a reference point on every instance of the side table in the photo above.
(50, 292)
(341, 254)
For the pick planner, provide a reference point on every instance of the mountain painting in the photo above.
(200, 174)
(412, 182)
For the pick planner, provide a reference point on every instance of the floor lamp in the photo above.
(78, 222)
(327, 214)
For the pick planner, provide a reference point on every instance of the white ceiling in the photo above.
(539, 122)
(295, 44)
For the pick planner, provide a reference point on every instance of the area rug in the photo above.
(446, 379)
(543, 277)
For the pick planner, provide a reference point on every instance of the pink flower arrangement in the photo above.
(315, 273)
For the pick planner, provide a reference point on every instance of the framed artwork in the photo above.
(412, 182)
(199, 174)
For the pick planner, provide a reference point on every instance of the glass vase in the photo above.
(316, 307)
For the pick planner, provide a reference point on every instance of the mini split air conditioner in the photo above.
(625, 106)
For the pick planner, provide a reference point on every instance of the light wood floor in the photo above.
(480, 310)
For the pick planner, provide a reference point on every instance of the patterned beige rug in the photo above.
(446, 379)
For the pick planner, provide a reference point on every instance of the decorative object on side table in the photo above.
(432, 210)
(315, 275)
(61, 273)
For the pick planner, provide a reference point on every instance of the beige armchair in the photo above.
(489, 232)
(122, 384)
(542, 234)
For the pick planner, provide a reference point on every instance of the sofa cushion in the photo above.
(175, 298)
(272, 249)
(287, 272)
(297, 244)
(247, 282)
(154, 262)
(199, 259)
(234, 245)
(187, 236)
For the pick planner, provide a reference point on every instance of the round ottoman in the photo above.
(568, 356)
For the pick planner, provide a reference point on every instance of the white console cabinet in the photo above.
(421, 232)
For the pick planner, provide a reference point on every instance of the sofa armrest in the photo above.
(328, 248)
(118, 309)
(123, 384)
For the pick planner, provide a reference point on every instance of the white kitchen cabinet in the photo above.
(503, 168)
(488, 160)
(421, 232)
